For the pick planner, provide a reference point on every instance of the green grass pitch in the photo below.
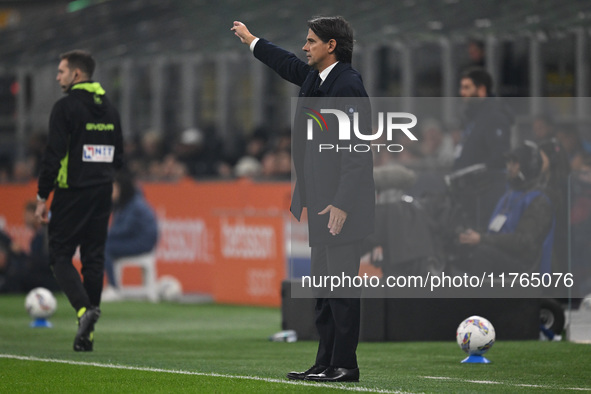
(195, 348)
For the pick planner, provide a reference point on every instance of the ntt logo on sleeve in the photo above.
(386, 121)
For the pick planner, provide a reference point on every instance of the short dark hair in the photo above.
(80, 59)
(529, 159)
(480, 77)
(337, 28)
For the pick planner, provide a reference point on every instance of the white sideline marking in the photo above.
(483, 381)
(338, 386)
(507, 384)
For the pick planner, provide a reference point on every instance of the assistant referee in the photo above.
(84, 149)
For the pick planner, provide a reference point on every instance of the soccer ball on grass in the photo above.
(475, 335)
(40, 303)
(169, 288)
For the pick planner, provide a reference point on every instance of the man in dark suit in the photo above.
(335, 185)
(487, 123)
(485, 139)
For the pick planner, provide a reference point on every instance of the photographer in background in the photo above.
(521, 229)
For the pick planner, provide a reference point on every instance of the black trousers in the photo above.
(80, 217)
(337, 313)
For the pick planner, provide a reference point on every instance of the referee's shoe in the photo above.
(85, 335)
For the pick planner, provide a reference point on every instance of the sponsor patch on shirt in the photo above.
(100, 126)
(98, 153)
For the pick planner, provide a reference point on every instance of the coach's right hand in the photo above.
(241, 31)
(41, 212)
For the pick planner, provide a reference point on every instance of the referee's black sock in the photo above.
(69, 281)
(93, 284)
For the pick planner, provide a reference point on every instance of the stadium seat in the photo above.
(147, 263)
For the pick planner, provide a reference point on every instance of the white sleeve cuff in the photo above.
(253, 43)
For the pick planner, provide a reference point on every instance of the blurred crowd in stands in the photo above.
(200, 154)
(266, 155)
(196, 153)
(25, 267)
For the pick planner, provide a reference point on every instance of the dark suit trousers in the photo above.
(337, 313)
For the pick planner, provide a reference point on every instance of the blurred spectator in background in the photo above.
(487, 123)
(581, 207)
(477, 53)
(133, 155)
(556, 166)
(406, 153)
(170, 169)
(11, 268)
(248, 167)
(554, 180)
(269, 164)
(256, 159)
(200, 151)
(268, 158)
(580, 220)
(485, 139)
(37, 271)
(35, 148)
(276, 165)
(6, 166)
(153, 150)
(283, 140)
(437, 147)
(574, 146)
(543, 128)
(411, 150)
(225, 169)
(133, 231)
(283, 164)
(22, 170)
(256, 145)
(26, 168)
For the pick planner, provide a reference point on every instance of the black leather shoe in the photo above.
(302, 375)
(333, 374)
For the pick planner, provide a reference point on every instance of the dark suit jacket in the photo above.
(487, 134)
(343, 179)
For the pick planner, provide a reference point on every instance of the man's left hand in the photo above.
(469, 237)
(336, 220)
